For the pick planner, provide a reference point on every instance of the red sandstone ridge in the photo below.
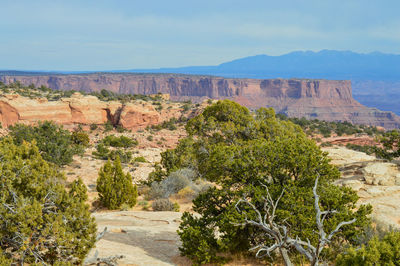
(329, 100)
(78, 109)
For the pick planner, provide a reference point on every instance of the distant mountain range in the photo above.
(375, 76)
(326, 64)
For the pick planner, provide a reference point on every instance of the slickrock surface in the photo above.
(329, 100)
(376, 182)
(144, 238)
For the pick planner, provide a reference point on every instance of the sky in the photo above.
(76, 35)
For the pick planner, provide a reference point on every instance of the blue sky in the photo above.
(123, 34)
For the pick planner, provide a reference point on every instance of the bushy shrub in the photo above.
(162, 205)
(176, 181)
(186, 193)
(115, 188)
(119, 142)
(125, 156)
(385, 251)
(140, 159)
(144, 204)
(172, 184)
(108, 126)
(80, 138)
(4, 260)
(104, 153)
(39, 219)
(176, 207)
(120, 129)
(157, 191)
(55, 143)
(101, 152)
(93, 127)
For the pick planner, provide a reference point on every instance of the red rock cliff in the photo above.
(322, 99)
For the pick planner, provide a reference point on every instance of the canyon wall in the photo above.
(329, 100)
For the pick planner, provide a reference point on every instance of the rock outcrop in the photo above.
(329, 100)
(78, 109)
(377, 182)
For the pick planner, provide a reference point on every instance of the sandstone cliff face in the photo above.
(78, 109)
(321, 99)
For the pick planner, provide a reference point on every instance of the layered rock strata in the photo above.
(77, 109)
(329, 100)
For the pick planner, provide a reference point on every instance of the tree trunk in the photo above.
(285, 257)
(315, 261)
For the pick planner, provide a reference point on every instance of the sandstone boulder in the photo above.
(379, 173)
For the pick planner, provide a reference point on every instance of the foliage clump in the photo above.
(238, 151)
(378, 251)
(325, 128)
(40, 221)
(56, 144)
(115, 187)
(175, 182)
(119, 142)
(164, 205)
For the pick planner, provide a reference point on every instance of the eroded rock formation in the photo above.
(329, 100)
(77, 109)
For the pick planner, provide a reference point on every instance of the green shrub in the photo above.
(39, 218)
(56, 144)
(125, 156)
(4, 260)
(144, 204)
(93, 127)
(176, 207)
(80, 138)
(120, 129)
(104, 153)
(108, 126)
(186, 193)
(115, 188)
(140, 159)
(385, 251)
(119, 142)
(162, 205)
(150, 138)
(101, 152)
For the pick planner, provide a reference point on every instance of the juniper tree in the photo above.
(238, 151)
(40, 220)
(115, 188)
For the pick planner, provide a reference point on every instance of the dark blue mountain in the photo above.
(327, 64)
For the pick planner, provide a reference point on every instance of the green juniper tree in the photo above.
(115, 188)
(40, 221)
(56, 144)
(239, 151)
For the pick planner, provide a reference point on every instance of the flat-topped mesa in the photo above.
(329, 100)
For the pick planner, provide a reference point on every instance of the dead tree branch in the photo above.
(280, 233)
